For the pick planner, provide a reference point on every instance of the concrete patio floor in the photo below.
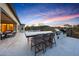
(19, 46)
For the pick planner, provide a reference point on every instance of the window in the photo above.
(11, 27)
(4, 28)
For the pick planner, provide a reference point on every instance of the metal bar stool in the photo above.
(38, 44)
(52, 38)
(46, 38)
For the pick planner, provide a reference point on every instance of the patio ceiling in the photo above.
(6, 19)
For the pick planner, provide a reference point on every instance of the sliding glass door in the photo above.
(7, 27)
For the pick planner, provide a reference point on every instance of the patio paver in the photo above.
(18, 46)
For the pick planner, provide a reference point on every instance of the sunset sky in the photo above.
(49, 14)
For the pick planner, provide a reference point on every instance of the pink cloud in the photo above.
(61, 18)
(55, 19)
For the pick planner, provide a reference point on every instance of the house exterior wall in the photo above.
(9, 12)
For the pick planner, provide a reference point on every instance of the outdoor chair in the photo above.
(37, 44)
(0, 36)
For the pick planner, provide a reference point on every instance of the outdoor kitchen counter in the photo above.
(30, 34)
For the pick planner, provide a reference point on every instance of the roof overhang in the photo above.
(13, 11)
(5, 19)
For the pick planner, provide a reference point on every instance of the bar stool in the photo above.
(38, 44)
(47, 41)
(52, 38)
